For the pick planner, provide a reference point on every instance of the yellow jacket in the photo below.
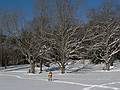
(50, 74)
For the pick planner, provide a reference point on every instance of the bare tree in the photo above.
(110, 43)
(41, 27)
(106, 30)
(66, 34)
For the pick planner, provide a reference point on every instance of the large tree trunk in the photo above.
(5, 63)
(108, 66)
(41, 62)
(62, 68)
(32, 67)
(112, 60)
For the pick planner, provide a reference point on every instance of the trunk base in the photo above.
(107, 66)
(62, 70)
(32, 68)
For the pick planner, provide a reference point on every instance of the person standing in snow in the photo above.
(50, 76)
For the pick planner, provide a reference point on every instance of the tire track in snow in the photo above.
(101, 86)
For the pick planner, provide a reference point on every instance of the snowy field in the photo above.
(97, 80)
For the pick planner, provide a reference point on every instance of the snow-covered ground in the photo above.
(14, 67)
(20, 80)
(93, 79)
(68, 81)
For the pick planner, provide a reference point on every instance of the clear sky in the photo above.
(26, 6)
(21, 5)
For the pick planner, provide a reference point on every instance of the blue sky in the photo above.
(87, 5)
(26, 6)
(20, 5)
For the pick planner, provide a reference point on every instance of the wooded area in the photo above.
(55, 35)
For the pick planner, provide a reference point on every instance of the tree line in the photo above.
(55, 35)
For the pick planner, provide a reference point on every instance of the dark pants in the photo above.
(50, 79)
